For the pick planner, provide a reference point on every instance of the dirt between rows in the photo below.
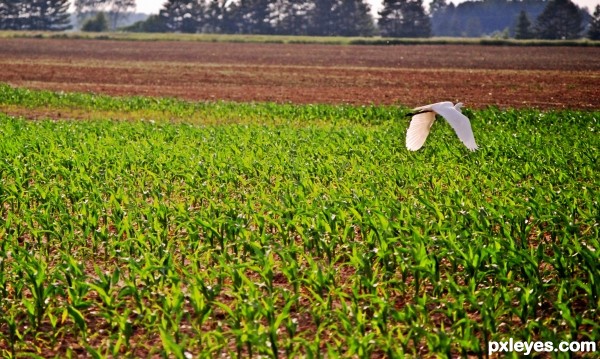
(410, 75)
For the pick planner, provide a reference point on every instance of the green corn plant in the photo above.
(41, 291)
(291, 230)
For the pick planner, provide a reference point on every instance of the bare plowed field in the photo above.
(542, 77)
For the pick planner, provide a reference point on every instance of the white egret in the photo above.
(424, 117)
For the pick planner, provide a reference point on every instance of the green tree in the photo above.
(181, 15)
(85, 9)
(594, 31)
(437, 5)
(9, 15)
(98, 23)
(216, 17)
(404, 18)
(251, 16)
(561, 19)
(523, 27)
(354, 19)
(479, 18)
(321, 17)
(473, 27)
(119, 10)
(443, 19)
(340, 18)
(48, 15)
(290, 17)
(154, 23)
(114, 10)
(51, 15)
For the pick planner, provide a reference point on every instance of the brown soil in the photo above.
(504, 76)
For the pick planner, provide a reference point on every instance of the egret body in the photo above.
(423, 118)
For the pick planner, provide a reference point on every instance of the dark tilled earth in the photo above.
(410, 75)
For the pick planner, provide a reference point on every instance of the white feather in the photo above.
(425, 117)
(419, 130)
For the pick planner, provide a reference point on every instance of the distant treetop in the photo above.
(521, 19)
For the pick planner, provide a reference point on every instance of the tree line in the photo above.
(278, 17)
(523, 19)
(34, 15)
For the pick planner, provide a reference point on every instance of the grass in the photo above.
(288, 39)
(206, 229)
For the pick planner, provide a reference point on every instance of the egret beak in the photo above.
(411, 114)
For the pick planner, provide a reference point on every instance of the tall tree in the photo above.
(443, 19)
(523, 27)
(594, 31)
(404, 18)
(481, 17)
(322, 21)
(9, 15)
(53, 14)
(87, 8)
(437, 5)
(181, 15)
(215, 17)
(153, 23)
(354, 19)
(560, 19)
(49, 15)
(98, 23)
(291, 17)
(115, 10)
(340, 18)
(119, 10)
(252, 16)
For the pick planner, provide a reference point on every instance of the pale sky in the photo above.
(152, 6)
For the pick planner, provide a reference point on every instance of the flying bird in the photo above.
(423, 118)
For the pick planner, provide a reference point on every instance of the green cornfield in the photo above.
(164, 228)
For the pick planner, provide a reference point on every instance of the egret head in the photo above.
(413, 113)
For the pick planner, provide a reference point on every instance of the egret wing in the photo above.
(460, 123)
(430, 107)
(419, 130)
